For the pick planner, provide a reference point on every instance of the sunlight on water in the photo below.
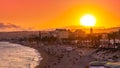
(17, 56)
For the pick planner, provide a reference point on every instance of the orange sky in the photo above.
(44, 14)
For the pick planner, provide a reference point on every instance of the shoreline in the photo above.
(45, 58)
(51, 61)
(56, 56)
(42, 53)
(45, 62)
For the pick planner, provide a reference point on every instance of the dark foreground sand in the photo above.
(58, 57)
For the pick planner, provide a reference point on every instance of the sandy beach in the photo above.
(62, 56)
(65, 56)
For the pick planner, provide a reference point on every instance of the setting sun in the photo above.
(88, 20)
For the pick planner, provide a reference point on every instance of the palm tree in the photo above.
(109, 38)
(98, 40)
(88, 38)
(114, 35)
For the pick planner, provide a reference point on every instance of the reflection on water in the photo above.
(17, 56)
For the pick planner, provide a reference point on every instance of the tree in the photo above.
(97, 43)
(109, 38)
(114, 35)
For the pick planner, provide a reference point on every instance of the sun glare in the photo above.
(88, 20)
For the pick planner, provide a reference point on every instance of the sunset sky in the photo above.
(44, 14)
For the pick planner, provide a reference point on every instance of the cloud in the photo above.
(13, 27)
(9, 25)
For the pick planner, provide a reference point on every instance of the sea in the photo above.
(18, 56)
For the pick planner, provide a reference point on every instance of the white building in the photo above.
(62, 33)
(79, 33)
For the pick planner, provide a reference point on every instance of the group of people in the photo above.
(64, 56)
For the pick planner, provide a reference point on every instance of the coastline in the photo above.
(42, 53)
(56, 56)
(45, 58)
(51, 61)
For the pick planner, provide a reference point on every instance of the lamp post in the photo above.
(91, 30)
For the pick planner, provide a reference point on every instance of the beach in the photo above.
(66, 56)
(62, 56)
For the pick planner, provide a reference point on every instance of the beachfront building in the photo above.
(77, 37)
(62, 36)
(62, 33)
(46, 34)
(79, 33)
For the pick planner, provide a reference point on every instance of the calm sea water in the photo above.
(17, 56)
